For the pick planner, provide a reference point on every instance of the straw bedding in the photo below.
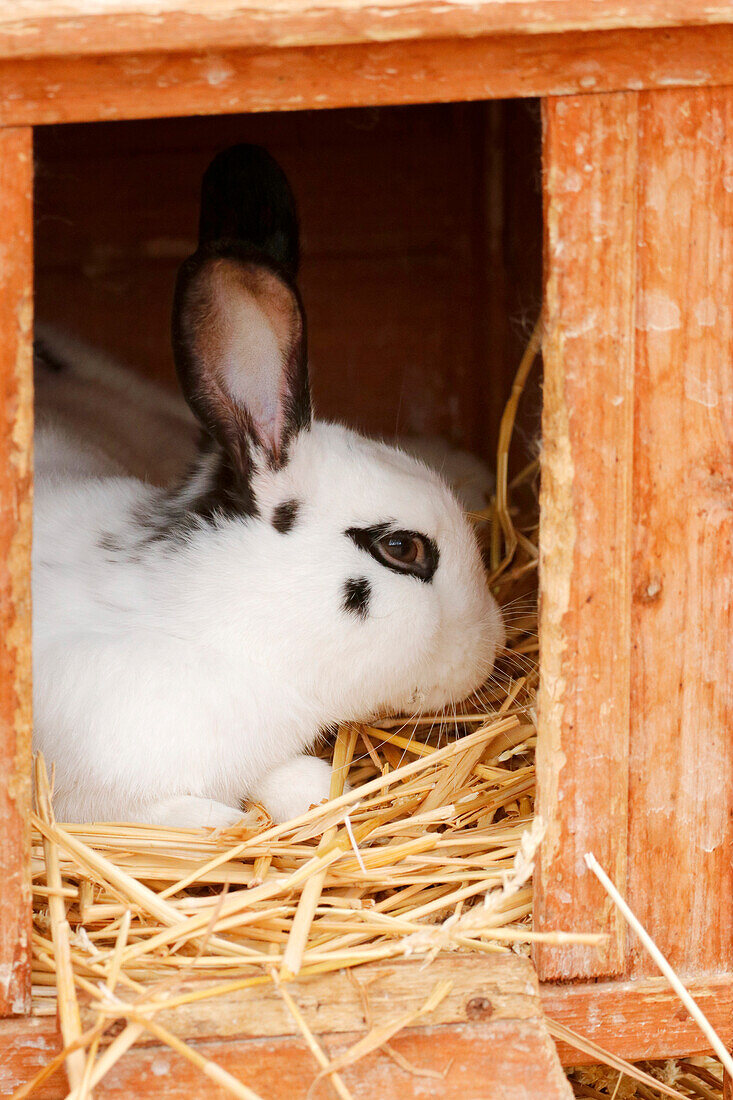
(700, 1078)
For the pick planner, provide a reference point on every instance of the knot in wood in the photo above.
(479, 1008)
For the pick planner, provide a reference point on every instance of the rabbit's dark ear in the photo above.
(239, 341)
(245, 196)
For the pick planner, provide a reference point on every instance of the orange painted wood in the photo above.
(16, 428)
(590, 159)
(484, 1064)
(681, 764)
(158, 84)
(640, 275)
(636, 1020)
(30, 28)
(639, 1019)
(496, 1045)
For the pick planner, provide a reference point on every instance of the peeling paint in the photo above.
(160, 1066)
(706, 312)
(657, 312)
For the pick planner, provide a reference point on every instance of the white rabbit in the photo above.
(191, 643)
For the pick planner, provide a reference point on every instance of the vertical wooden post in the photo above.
(16, 432)
(636, 702)
(681, 762)
(590, 156)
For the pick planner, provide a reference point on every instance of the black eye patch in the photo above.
(357, 593)
(401, 551)
(285, 515)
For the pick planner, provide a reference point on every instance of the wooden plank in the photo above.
(16, 428)
(590, 158)
(486, 1040)
(681, 774)
(32, 28)
(230, 81)
(676, 331)
(634, 1019)
(639, 1019)
(484, 1063)
(495, 987)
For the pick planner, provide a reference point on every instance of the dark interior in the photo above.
(422, 249)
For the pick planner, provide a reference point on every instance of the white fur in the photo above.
(172, 681)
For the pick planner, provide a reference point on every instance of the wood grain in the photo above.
(639, 1019)
(667, 692)
(681, 776)
(16, 430)
(495, 1046)
(590, 157)
(483, 987)
(32, 28)
(230, 81)
(634, 1019)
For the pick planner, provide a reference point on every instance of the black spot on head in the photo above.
(285, 515)
(357, 593)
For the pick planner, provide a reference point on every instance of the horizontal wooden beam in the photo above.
(639, 1019)
(45, 28)
(37, 28)
(487, 1038)
(156, 84)
(635, 1019)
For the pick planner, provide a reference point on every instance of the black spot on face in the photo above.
(357, 593)
(285, 515)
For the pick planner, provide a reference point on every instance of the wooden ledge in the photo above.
(57, 28)
(487, 1038)
(490, 1025)
(158, 84)
(491, 1014)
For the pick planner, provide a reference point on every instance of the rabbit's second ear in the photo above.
(239, 343)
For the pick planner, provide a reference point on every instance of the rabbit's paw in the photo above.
(188, 812)
(291, 789)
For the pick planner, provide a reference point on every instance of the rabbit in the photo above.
(191, 642)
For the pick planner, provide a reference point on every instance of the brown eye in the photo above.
(402, 548)
(400, 551)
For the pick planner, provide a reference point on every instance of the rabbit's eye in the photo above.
(401, 551)
(403, 548)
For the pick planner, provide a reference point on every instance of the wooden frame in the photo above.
(638, 139)
(16, 433)
(636, 629)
